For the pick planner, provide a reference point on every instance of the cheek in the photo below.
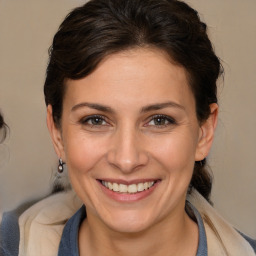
(82, 152)
(176, 151)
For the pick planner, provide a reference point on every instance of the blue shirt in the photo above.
(69, 239)
(9, 234)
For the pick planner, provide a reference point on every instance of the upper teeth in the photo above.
(132, 188)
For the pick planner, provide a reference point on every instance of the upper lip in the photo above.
(129, 182)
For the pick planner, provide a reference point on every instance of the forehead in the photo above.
(135, 76)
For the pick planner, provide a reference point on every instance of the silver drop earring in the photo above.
(60, 166)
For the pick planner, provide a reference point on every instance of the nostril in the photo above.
(126, 151)
(127, 161)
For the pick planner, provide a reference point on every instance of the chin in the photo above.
(128, 222)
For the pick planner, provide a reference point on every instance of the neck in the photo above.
(172, 236)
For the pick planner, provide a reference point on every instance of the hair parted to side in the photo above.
(102, 27)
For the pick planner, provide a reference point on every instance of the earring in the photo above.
(60, 166)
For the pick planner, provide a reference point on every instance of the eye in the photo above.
(161, 121)
(95, 120)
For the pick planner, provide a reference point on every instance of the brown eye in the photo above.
(161, 120)
(94, 121)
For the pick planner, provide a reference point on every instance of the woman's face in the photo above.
(130, 137)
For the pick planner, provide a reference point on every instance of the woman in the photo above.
(132, 109)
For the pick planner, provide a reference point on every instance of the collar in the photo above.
(69, 239)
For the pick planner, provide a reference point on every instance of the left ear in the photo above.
(206, 134)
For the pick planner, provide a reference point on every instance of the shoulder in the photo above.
(251, 241)
(41, 225)
(9, 230)
(221, 236)
(9, 234)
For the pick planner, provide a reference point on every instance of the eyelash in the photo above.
(169, 119)
(86, 120)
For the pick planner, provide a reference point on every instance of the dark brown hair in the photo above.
(102, 27)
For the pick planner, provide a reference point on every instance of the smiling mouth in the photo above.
(130, 189)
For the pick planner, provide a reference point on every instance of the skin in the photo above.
(127, 141)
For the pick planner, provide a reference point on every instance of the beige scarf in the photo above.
(41, 227)
(222, 238)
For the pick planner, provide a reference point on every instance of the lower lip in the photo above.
(126, 197)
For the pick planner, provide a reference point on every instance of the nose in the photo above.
(127, 151)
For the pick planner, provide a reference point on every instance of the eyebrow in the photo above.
(159, 106)
(93, 106)
(148, 108)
